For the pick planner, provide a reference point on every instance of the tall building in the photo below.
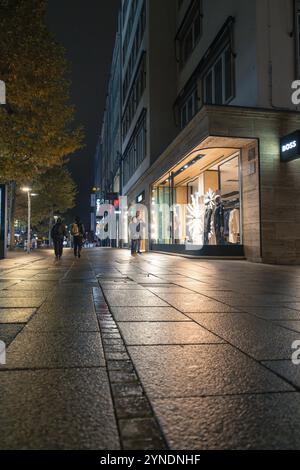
(209, 127)
(148, 90)
(108, 161)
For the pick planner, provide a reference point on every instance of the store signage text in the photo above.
(290, 147)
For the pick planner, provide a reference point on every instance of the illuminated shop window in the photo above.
(204, 204)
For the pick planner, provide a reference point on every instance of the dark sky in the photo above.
(87, 29)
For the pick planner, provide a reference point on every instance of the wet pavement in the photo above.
(148, 352)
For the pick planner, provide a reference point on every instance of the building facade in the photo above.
(206, 100)
(108, 156)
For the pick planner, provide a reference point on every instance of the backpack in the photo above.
(75, 230)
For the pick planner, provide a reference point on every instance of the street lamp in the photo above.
(29, 195)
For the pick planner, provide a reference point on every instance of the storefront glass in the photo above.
(199, 205)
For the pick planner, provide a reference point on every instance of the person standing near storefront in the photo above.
(58, 233)
(77, 231)
(140, 232)
(133, 234)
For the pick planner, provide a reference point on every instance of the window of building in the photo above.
(134, 53)
(218, 81)
(136, 150)
(188, 108)
(138, 34)
(134, 97)
(190, 32)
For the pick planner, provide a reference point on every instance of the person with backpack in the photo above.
(58, 233)
(77, 231)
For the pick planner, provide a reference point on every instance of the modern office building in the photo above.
(209, 127)
(108, 161)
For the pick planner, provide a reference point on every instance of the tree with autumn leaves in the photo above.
(56, 192)
(37, 130)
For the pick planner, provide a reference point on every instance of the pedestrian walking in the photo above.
(58, 233)
(133, 234)
(77, 231)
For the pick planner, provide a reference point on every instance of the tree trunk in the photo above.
(12, 211)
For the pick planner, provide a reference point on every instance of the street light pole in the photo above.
(29, 195)
(29, 221)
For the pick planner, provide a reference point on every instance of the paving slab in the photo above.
(59, 410)
(25, 302)
(23, 294)
(134, 299)
(294, 305)
(198, 370)
(9, 332)
(293, 325)
(194, 303)
(147, 314)
(18, 315)
(273, 313)
(286, 369)
(55, 350)
(260, 339)
(166, 333)
(244, 422)
(68, 320)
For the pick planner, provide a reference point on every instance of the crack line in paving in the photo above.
(137, 423)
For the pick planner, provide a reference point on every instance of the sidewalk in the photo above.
(150, 352)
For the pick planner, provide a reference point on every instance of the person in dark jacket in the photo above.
(77, 230)
(58, 233)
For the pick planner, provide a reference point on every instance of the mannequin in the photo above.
(234, 226)
(219, 221)
(207, 223)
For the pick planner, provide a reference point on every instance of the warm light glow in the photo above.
(26, 189)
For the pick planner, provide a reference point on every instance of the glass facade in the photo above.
(199, 207)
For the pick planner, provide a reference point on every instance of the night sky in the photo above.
(87, 29)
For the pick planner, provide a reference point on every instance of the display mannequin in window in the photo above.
(207, 223)
(219, 221)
